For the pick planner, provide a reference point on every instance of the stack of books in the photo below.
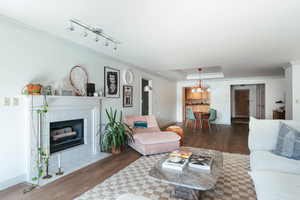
(201, 162)
(177, 160)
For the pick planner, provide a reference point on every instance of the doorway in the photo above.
(247, 100)
(145, 97)
(242, 103)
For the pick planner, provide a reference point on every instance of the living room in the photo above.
(73, 61)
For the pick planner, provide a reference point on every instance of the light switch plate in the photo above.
(16, 101)
(6, 101)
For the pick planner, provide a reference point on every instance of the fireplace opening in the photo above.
(66, 134)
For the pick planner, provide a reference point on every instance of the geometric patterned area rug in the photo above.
(233, 184)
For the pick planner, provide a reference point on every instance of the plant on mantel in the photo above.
(116, 134)
(43, 156)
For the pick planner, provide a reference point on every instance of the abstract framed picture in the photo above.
(111, 82)
(127, 96)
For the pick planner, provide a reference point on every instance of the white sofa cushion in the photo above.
(265, 160)
(288, 142)
(263, 133)
(276, 186)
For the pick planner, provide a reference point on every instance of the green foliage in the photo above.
(116, 134)
(43, 155)
(44, 161)
(44, 109)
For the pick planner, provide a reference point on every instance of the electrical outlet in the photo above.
(6, 101)
(16, 101)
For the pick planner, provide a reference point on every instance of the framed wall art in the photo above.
(111, 82)
(127, 96)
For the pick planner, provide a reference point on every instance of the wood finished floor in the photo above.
(233, 139)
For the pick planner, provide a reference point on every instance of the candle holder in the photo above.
(60, 172)
(47, 176)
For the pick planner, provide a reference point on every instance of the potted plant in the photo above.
(116, 134)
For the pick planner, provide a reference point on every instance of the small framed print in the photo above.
(127, 96)
(111, 82)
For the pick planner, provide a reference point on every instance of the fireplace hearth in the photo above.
(66, 134)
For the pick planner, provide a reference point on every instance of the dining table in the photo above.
(199, 116)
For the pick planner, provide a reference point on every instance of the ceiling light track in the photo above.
(94, 30)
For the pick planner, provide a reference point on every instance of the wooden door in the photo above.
(242, 103)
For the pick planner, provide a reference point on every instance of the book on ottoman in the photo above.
(201, 162)
(177, 160)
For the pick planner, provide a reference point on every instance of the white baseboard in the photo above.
(12, 181)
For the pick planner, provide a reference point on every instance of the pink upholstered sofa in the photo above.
(151, 140)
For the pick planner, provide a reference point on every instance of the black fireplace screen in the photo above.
(66, 134)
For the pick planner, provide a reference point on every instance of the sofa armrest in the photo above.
(262, 134)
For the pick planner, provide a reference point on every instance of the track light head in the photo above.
(85, 34)
(106, 43)
(71, 27)
(96, 39)
(115, 47)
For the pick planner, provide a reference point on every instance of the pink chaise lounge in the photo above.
(151, 140)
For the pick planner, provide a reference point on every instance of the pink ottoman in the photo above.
(155, 142)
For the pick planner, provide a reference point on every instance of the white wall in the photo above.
(32, 56)
(289, 93)
(252, 99)
(220, 94)
(296, 91)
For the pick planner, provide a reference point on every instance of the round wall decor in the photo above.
(128, 76)
(78, 79)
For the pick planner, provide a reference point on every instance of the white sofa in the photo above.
(274, 177)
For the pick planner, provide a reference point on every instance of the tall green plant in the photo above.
(116, 134)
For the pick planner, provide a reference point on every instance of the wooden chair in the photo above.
(212, 117)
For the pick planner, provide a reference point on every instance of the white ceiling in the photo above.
(245, 38)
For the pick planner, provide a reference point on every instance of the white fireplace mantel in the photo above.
(63, 108)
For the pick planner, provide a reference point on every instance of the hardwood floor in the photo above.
(233, 139)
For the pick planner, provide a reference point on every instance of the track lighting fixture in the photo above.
(96, 30)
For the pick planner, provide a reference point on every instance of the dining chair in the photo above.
(190, 117)
(212, 117)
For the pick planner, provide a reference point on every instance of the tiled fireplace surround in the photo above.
(62, 109)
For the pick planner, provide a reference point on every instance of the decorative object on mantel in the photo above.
(78, 79)
(32, 89)
(128, 77)
(127, 96)
(101, 93)
(117, 134)
(111, 82)
(95, 31)
(200, 87)
(47, 90)
(66, 92)
(90, 88)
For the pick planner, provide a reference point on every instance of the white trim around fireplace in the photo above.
(62, 108)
